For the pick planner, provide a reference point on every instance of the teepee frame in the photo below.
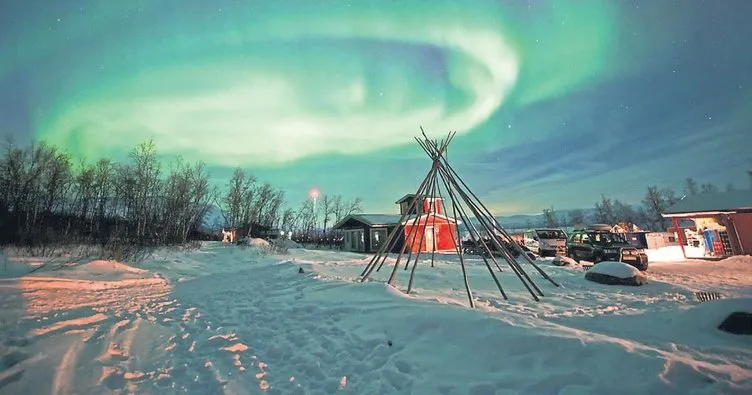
(442, 178)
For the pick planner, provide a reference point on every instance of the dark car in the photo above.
(601, 245)
(470, 247)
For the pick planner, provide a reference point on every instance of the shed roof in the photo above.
(710, 203)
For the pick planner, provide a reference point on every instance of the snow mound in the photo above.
(615, 269)
(564, 261)
(285, 244)
(259, 243)
(615, 273)
(98, 270)
(708, 316)
(738, 259)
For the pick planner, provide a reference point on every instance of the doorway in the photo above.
(430, 237)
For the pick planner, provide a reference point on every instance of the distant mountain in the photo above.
(523, 221)
(214, 219)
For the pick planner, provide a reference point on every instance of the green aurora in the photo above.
(296, 90)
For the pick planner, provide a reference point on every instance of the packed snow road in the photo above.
(229, 320)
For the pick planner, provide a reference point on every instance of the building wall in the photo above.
(660, 239)
(444, 236)
(741, 232)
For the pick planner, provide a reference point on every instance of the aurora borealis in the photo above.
(554, 102)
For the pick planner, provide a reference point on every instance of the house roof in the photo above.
(711, 203)
(386, 219)
(410, 196)
(420, 219)
(371, 219)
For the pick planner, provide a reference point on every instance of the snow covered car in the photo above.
(546, 242)
(597, 245)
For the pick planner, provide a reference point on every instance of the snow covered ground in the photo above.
(225, 319)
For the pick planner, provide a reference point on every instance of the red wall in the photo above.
(427, 206)
(445, 234)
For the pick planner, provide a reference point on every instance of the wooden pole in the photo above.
(433, 209)
(679, 235)
(498, 226)
(510, 259)
(391, 238)
(511, 262)
(457, 209)
(469, 225)
(458, 246)
(431, 174)
(422, 239)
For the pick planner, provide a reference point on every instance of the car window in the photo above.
(585, 238)
(576, 238)
(551, 234)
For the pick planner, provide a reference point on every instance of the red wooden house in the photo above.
(426, 228)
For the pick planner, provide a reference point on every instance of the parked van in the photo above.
(546, 242)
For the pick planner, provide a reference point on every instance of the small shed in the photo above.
(723, 218)
(366, 232)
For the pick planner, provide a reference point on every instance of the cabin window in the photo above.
(354, 240)
(378, 237)
(361, 241)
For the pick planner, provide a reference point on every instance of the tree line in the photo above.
(646, 216)
(247, 204)
(47, 197)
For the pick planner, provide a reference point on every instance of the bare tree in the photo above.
(708, 188)
(549, 218)
(354, 206)
(690, 187)
(604, 211)
(263, 201)
(576, 216)
(656, 201)
(338, 208)
(287, 222)
(625, 214)
(306, 217)
(327, 209)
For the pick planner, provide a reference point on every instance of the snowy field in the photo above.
(230, 320)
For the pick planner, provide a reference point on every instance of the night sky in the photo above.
(554, 102)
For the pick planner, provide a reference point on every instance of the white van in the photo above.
(546, 242)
